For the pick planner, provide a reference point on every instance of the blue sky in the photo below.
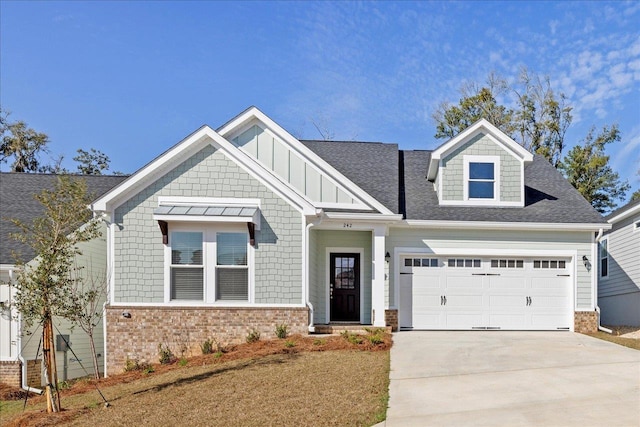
(133, 78)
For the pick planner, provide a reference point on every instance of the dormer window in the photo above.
(481, 180)
(481, 176)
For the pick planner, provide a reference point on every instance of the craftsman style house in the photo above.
(246, 227)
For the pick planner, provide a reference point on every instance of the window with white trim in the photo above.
(482, 180)
(209, 263)
(232, 271)
(604, 257)
(187, 270)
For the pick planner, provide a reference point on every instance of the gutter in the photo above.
(319, 218)
(600, 327)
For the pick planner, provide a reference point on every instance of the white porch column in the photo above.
(377, 282)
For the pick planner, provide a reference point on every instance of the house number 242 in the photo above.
(347, 225)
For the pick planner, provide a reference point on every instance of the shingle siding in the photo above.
(139, 253)
(453, 169)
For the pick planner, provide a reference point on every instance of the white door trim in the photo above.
(328, 252)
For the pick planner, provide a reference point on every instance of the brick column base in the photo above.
(391, 319)
(11, 373)
(34, 373)
(585, 322)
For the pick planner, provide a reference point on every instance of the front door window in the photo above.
(344, 288)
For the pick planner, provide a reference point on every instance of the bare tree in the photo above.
(87, 294)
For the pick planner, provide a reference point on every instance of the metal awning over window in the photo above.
(207, 213)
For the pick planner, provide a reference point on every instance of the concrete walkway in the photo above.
(505, 378)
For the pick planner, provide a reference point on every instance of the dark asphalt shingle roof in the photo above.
(16, 201)
(372, 166)
(624, 208)
(549, 198)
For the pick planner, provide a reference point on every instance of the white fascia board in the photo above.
(352, 206)
(156, 168)
(481, 202)
(6, 267)
(324, 167)
(490, 225)
(626, 214)
(352, 216)
(495, 134)
(182, 151)
(483, 252)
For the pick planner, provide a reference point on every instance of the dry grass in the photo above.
(628, 336)
(326, 382)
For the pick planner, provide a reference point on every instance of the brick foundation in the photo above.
(187, 327)
(585, 322)
(391, 319)
(11, 373)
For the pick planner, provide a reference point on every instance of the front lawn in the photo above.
(298, 381)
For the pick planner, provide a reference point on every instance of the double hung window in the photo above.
(481, 180)
(209, 265)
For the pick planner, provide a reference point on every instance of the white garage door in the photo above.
(485, 293)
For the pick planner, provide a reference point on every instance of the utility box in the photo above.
(62, 343)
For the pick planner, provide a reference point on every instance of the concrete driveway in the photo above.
(505, 378)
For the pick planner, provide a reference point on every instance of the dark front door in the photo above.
(344, 290)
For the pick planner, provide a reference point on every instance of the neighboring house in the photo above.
(20, 360)
(246, 227)
(619, 268)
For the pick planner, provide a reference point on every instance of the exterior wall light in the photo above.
(586, 262)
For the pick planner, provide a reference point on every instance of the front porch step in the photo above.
(338, 328)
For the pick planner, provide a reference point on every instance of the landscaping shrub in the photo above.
(165, 354)
(282, 331)
(253, 336)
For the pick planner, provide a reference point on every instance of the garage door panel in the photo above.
(512, 302)
(548, 302)
(463, 282)
(550, 321)
(508, 283)
(455, 301)
(426, 300)
(514, 295)
(427, 321)
(508, 321)
(463, 320)
(549, 282)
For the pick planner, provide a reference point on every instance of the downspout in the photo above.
(600, 327)
(311, 327)
(23, 363)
